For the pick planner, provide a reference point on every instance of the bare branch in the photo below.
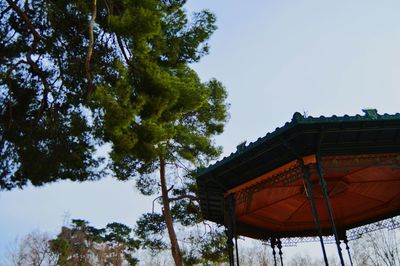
(191, 197)
(170, 188)
(183, 165)
(152, 208)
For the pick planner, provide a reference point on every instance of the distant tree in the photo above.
(305, 259)
(258, 255)
(81, 244)
(381, 247)
(76, 244)
(33, 249)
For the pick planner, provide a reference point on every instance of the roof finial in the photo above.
(371, 113)
(241, 146)
(297, 117)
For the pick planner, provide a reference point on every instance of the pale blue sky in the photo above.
(275, 58)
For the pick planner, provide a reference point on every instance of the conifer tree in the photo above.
(175, 114)
(77, 74)
(82, 244)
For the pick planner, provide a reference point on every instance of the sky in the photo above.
(275, 58)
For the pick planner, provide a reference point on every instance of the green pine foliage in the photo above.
(146, 99)
(46, 132)
(75, 75)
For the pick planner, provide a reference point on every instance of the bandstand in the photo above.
(311, 178)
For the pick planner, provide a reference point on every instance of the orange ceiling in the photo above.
(361, 188)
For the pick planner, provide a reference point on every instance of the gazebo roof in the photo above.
(256, 169)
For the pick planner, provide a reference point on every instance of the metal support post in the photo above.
(273, 243)
(310, 192)
(229, 243)
(346, 242)
(326, 198)
(232, 231)
(279, 245)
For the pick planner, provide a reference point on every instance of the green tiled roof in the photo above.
(297, 119)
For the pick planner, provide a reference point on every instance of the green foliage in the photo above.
(45, 130)
(145, 99)
(162, 107)
(209, 248)
(150, 230)
(62, 95)
(81, 244)
(202, 243)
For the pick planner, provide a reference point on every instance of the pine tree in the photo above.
(77, 74)
(82, 244)
(46, 133)
(176, 115)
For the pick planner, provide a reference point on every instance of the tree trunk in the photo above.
(176, 254)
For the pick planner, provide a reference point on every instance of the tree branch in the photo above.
(5, 11)
(152, 207)
(122, 48)
(61, 77)
(191, 197)
(43, 77)
(10, 38)
(25, 18)
(34, 66)
(9, 81)
(91, 45)
(183, 165)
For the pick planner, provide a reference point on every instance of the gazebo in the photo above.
(313, 177)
